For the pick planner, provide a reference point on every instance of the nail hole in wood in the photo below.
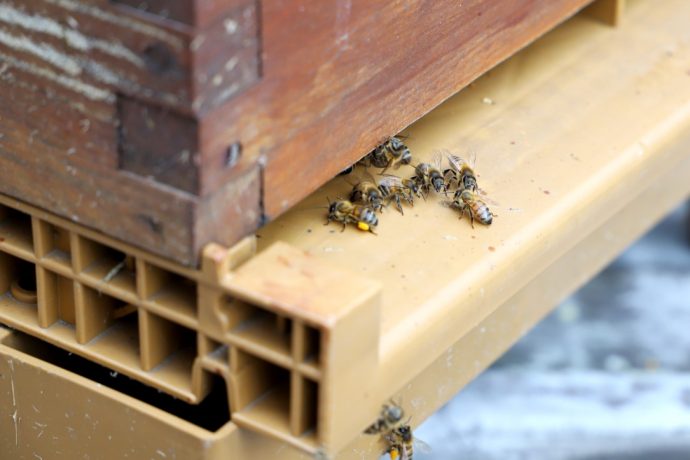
(233, 154)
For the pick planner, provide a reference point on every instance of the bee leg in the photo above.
(399, 206)
(471, 219)
(342, 229)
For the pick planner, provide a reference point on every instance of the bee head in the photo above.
(395, 143)
(406, 157)
(405, 432)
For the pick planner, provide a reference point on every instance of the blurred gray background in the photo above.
(606, 376)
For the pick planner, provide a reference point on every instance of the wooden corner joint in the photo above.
(192, 55)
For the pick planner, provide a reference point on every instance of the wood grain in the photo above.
(171, 159)
(147, 105)
(61, 155)
(198, 13)
(144, 57)
(340, 76)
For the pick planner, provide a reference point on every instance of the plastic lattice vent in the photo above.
(172, 327)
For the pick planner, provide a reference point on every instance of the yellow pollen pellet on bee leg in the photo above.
(363, 226)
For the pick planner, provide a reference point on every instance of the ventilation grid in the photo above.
(139, 316)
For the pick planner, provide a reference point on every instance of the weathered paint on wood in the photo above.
(198, 13)
(148, 58)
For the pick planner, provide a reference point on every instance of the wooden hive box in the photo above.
(171, 124)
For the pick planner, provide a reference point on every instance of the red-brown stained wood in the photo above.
(171, 158)
(340, 76)
(52, 119)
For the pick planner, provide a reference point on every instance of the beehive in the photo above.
(169, 125)
(310, 330)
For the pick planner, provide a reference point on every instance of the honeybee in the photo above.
(428, 175)
(392, 153)
(345, 212)
(390, 416)
(468, 202)
(401, 443)
(367, 192)
(460, 174)
(396, 189)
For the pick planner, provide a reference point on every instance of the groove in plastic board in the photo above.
(608, 11)
(556, 178)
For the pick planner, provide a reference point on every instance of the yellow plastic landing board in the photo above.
(583, 141)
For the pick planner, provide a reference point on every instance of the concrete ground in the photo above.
(605, 377)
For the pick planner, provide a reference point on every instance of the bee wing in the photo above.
(455, 161)
(437, 159)
(450, 204)
(389, 180)
(365, 176)
(421, 446)
(482, 196)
